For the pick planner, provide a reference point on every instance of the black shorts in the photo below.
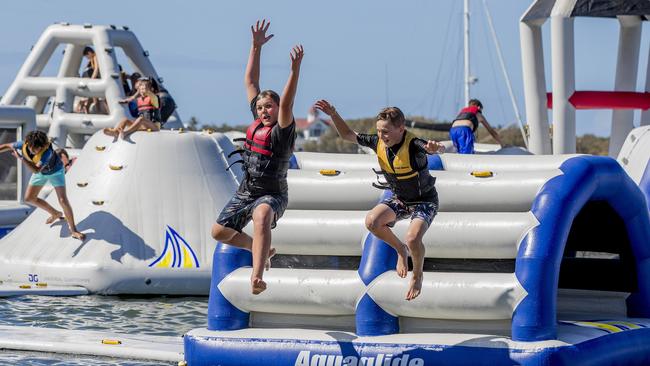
(238, 212)
(424, 211)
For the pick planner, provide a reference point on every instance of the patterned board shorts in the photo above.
(238, 212)
(424, 211)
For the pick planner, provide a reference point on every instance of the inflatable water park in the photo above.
(536, 257)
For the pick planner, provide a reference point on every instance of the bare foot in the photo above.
(415, 286)
(258, 286)
(111, 132)
(267, 265)
(402, 262)
(78, 235)
(57, 216)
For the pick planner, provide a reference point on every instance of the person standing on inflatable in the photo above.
(403, 161)
(263, 193)
(465, 124)
(46, 166)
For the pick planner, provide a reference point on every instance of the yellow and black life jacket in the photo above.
(407, 183)
(47, 167)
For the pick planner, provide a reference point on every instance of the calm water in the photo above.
(163, 316)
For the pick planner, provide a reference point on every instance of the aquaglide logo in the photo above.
(306, 358)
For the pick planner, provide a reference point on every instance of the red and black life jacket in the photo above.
(258, 157)
(145, 103)
(469, 113)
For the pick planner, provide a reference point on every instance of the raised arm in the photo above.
(6, 147)
(491, 130)
(252, 76)
(342, 128)
(285, 117)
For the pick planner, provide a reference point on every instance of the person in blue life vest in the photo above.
(263, 193)
(466, 123)
(46, 166)
(403, 161)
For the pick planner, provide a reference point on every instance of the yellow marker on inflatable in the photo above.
(482, 174)
(148, 129)
(25, 286)
(330, 172)
(98, 203)
(100, 147)
(115, 167)
(82, 184)
(180, 130)
(41, 284)
(113, 342)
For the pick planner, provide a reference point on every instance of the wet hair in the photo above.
(269, 93)
(154, 85)
(476, 102)
(393, 115)
(88, 50)
(36, 139)
(62, 152)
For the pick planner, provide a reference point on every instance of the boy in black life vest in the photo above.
(262, 195)
(39, 156)
(465, 124)
(403, 161)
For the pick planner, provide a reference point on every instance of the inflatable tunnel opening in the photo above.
(598, 254)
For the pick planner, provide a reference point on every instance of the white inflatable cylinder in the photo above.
(645, 115)
(343, 162)
(462, 296)
(627, 64)
(296, 291)
(563, 70)
(532, 60)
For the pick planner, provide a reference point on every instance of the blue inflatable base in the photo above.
(5, 230)
(333, 348)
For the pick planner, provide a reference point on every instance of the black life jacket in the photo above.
(469, 113)
(258, 158)
(408, 184)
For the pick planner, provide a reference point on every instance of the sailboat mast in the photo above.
(466, 42)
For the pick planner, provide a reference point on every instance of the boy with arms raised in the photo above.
(263, 193)
(403, 161)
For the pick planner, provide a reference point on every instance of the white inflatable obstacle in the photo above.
(146, 206)
(539, 212)
(36, 91)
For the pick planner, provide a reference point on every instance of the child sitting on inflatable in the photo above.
(263, 193)
(39, 156)
(148, 112)
(465, 124)
(403, 161)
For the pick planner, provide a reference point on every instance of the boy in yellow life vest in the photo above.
(39, 156)
(403, 161)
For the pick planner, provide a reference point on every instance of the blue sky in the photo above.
(361, 55)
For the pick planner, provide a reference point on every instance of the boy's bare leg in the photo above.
(69, 216)
(31, 197)
(416, 231)
(377, 222)
(232, 237)
(262, 220)
(131, 128)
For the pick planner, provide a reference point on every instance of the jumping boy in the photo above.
(39, 156)
(465, 124)
(403, 161)
(262, 195)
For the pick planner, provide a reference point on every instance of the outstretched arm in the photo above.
(491, 130)
(285, 117)
(252, 76)
(434, 147)
(6, 147)
(342, 128)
